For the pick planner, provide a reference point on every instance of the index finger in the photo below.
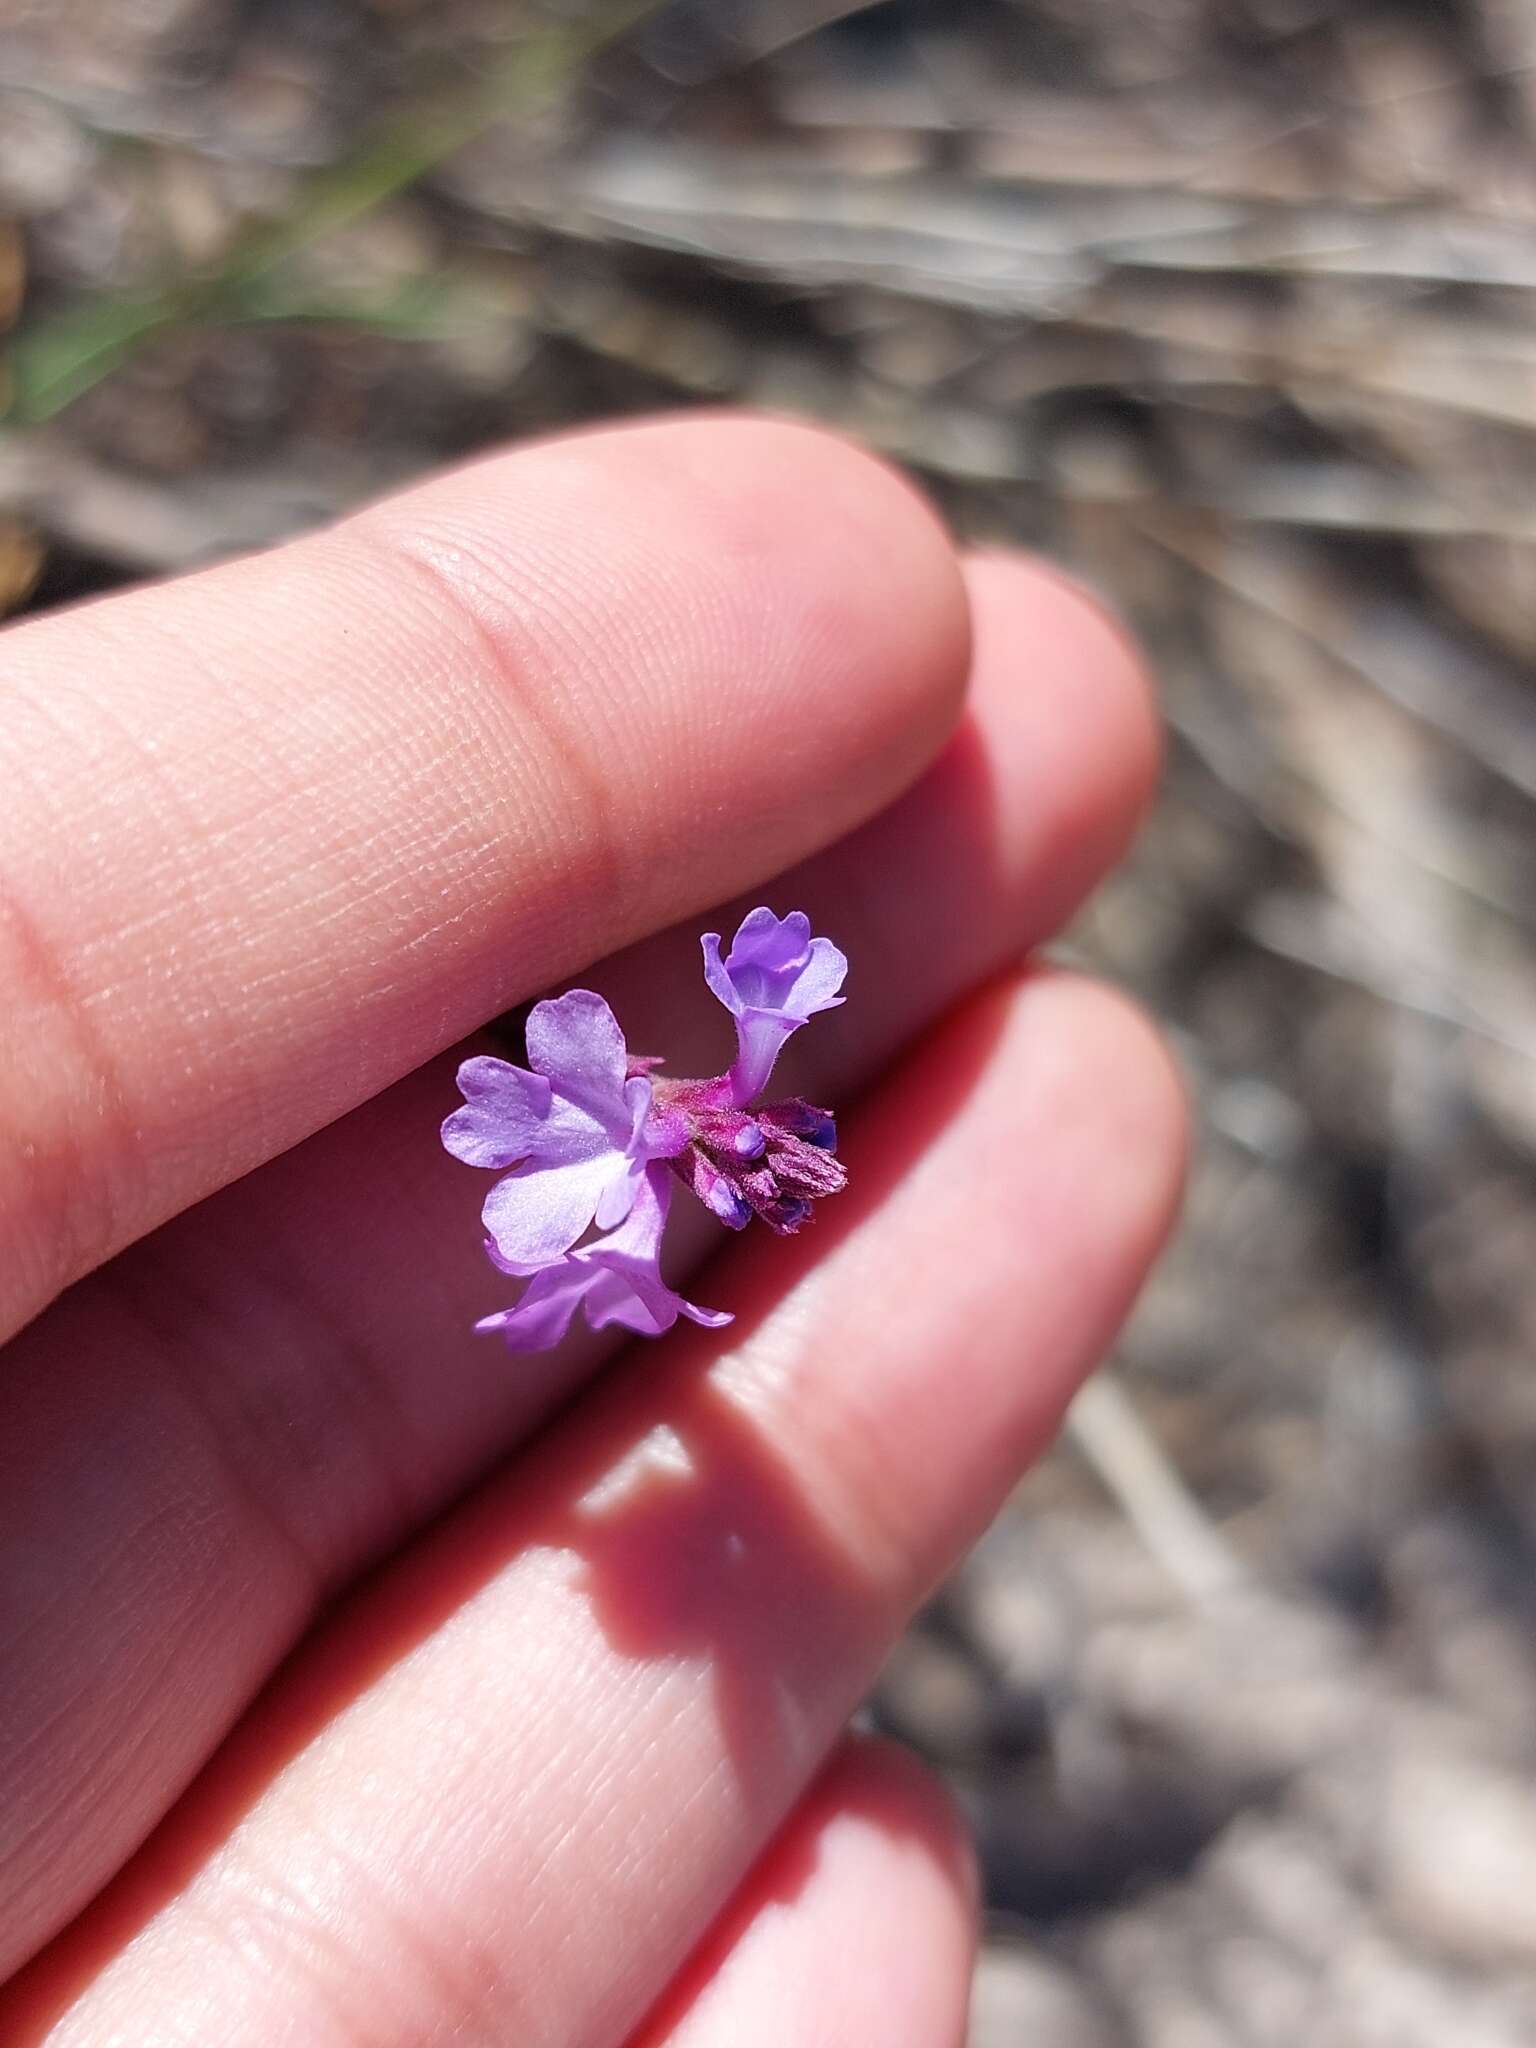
(274, 835)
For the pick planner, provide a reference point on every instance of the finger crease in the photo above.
(160, 1308)
(605, 868)
(70, 1203)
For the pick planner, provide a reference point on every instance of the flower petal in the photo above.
(711, 1318)
(513, 1117)
(503, 1115)
(716, 976)
(759, 1035)
(817, 983)
(617, 1279)
(616, 1298)
(576, 1042)
(544, 1314)
(618, 1197)
(773, 943)
(775, 964)
(639, 1237)
(537, 1213)
(612, 1298)
(629, 1288)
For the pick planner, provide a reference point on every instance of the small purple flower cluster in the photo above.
(593, 1139)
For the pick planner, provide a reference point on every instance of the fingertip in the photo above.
(793, 478)
(859, 1923)
(1072, 707)
(803, 574)
(1137, 1093)
(1097, 646)
(894, 1791)
(883, 607)
(1085, 1059)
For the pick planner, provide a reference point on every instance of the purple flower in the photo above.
(616, 1279)
(590, 1139)
(774, 979)
(572, 1130)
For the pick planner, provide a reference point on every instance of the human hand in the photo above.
(551, 1762)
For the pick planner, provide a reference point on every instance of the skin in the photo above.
(364, 1686)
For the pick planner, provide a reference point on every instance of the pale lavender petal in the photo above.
(816, 985)
(505, 1264)
(639, 1091)
(513, 1116)
(759, 1035)
(619, 1195)
(721, 987)
(617, 1279)
(775, 964)
(575, 1040)
(544, 1314)
(631, 1290)
(711, 1318)
(649, 1311)
(640, 1235)
(629, 1165)
(503, 1116)
(763, 940)
(537, 1213)
(612, 1298)
(569, 1133)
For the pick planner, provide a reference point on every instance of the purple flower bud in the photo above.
(785, 1214)
(798, 1119)
(715, 1190)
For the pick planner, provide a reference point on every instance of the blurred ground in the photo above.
(1229, 305)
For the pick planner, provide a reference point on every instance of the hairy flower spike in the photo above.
(593, 1139)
